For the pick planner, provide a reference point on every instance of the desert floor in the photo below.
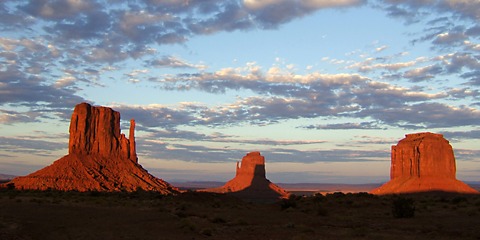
(192, 215)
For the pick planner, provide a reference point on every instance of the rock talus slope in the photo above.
(99, 158)
(423, 162)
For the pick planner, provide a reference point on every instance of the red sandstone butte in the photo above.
(99, 158)
(250, 181)
(423, 162)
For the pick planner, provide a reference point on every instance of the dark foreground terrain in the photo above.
(191, 215)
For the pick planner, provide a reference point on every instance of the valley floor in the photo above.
(193, 215)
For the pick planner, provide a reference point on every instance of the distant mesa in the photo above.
(99, 158)
(250, 181)
(423, 162)
(6, 177)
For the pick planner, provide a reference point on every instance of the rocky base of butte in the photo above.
(250, 181)
(99, 158)
(423, 162)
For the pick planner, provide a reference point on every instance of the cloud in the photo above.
(254, 78)
(101, 29)
(306, 5)
(30, 146)
(196, 153)
(174, 62)
(12, 18)
(117, 32)
(346, 126)
(466, 9)
(391, 63)
(198, 147)
(381, 48)
(426, 115)
(230, 17)
(283, 95)
(188, 153)
(473, 76)
(448, 23)
(423, 73)
(422, 68)
(65, 82)
(258, 4)
(28, 67)
(72, 37)
(271, 13)
(11, 117)
(449, 38)
(156, 115)
(370, 65)
(272, 142)
(375, 140)
(83, 27)
(334, 155)
(473, 134)
(466, 155)
(58, 9)
(457, 61)
(22, 89)
(31, 92)
(462, 93)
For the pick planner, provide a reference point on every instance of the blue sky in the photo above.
(322, 88)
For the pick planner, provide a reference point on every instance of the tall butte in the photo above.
(99, 158)
(250, 181)
(423, 162)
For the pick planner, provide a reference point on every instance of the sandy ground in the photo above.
(191, 215)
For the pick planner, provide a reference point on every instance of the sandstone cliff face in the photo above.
(250, 181)
(96, 130)
(100, 158)
(252, 166)
(423, 155)
(423, 162)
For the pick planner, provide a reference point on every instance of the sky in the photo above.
(322, 88)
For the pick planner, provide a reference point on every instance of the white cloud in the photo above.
(65, 81)
(472, 46)
(259, 4)
(317, 4)
(174, 62)
(370, 65)
(381, 48)
(450, 37)
(423, 73)
(307, 4)
(132, 21)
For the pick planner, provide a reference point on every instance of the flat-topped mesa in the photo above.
(423, 162)
(96, 130)
(423, 155)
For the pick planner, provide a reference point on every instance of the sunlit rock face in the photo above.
(96, 131)
(252, 166)
(250, 180)
(100, 158)
(423, 162)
